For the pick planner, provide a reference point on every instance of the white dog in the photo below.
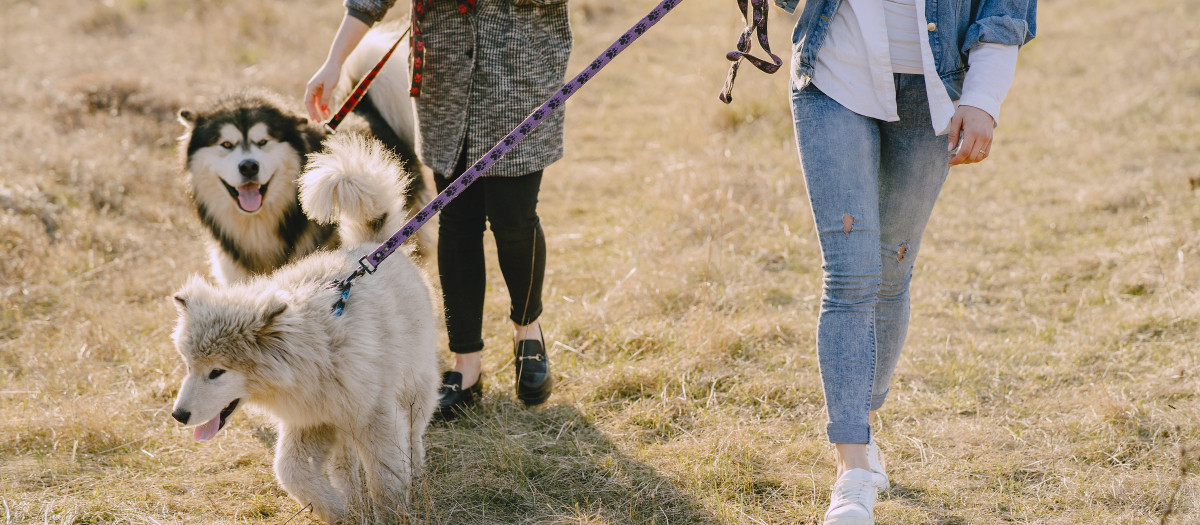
(348, 392)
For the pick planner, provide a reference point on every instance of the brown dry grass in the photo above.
(1050, 375)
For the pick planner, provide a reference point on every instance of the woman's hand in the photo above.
(320, 88)
(975, 126)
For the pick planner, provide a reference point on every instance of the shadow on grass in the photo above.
(918, 498)
(502, 463)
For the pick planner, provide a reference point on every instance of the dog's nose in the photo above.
(248, 167)
(181, 415)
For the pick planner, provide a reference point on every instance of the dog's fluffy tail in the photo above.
(358, 184)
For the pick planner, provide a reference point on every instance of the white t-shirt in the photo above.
(869, 40)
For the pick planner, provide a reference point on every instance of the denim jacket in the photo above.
(955, 27)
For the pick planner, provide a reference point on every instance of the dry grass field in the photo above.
(1051, 374)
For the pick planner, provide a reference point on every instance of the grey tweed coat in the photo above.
(484, 72)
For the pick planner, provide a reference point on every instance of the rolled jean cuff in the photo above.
(466, 348)
(527, 319)
(877, 401)
(842, 433)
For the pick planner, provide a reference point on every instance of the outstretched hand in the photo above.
(975, 126)
(320, 89)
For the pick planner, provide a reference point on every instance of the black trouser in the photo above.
(509, 204)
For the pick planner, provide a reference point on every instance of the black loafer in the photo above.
(452, 397)
(534, 381)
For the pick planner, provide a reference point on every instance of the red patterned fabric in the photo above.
(417, 42)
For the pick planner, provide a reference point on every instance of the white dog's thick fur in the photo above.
(347, 184)
(348, 391)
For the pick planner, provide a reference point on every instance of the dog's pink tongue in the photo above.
(249, 197)
(206, 431)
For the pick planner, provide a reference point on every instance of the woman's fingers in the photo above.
(318, 92)
(326, 94)
(977, 126)
(312, 101)
(963, 155)
(981, 151)
(955, 130)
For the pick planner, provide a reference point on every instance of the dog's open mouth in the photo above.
(206, 431)
(249, 196)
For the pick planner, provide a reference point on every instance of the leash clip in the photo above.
(344, 287)
(364, 267)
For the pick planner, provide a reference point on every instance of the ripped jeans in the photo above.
(872, 185)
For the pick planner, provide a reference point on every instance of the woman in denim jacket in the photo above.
(886, 96)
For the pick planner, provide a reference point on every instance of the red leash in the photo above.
(361, 89)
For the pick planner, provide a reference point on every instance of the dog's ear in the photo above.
(187, 117)
(275, 308)
(194, 287)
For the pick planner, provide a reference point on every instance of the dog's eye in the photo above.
(261, 143)
(227, 145)
(215, 373)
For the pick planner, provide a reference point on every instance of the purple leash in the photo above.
(757, 23)
(369, 263)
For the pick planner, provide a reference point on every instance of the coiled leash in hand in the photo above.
(754, 24)
(369, 263)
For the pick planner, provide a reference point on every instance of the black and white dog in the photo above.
(243, 154)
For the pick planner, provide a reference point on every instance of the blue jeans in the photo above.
(872, 185)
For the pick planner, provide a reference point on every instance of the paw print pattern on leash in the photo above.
(525, 128)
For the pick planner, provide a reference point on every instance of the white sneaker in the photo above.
(853, 499)
(878, 466)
